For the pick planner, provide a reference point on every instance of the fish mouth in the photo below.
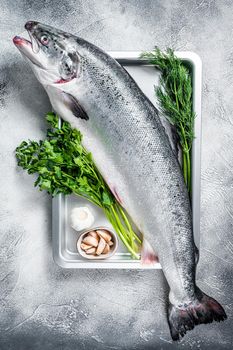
(28, 47)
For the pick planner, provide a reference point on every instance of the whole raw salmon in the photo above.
(124, 133)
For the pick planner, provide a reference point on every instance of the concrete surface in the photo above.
(44, 307)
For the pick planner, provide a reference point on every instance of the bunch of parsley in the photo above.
(64, 166)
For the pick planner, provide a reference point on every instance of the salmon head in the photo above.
(51, 53)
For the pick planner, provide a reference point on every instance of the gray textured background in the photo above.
(45, 307)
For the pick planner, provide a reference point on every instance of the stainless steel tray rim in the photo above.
(63, 261)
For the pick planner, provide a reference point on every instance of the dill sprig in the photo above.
(175, 98)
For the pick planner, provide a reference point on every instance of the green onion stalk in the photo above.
(64, 166)
(175, 99)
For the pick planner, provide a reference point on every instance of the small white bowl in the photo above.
(113, 248)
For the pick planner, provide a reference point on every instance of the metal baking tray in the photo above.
(64, 237)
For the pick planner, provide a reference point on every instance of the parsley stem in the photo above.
(114, 220)
(129, 225)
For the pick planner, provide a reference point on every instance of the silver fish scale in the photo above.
(150, 182)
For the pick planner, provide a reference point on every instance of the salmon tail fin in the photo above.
(203, 310)
(148, 256)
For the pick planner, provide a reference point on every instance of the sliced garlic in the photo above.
(106, 249)
(85, 246)
(93, 234)
(105, 235)
(101, 246)
(90, 251)
(89, 240)
(81, 218)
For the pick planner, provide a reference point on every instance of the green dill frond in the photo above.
(175, 100)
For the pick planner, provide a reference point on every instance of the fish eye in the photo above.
(44, 39)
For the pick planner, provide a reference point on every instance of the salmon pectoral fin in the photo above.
(148, 255)
(203, 310)
(74, 106)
